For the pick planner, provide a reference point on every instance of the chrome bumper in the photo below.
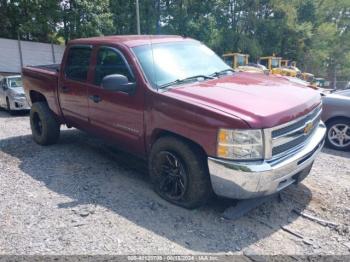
(242, 180)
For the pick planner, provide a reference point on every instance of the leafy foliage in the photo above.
(313, 32)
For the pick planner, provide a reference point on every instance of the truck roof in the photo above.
(130, 40)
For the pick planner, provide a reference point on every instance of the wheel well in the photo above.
(36, 97)
(164, 133)
(337, 118)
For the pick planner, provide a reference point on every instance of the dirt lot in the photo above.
(82, 196)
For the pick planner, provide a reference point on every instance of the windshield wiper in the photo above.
(222, 72)
(184, 80)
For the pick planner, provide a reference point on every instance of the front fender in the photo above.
(194, 122)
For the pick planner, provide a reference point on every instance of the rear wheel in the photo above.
(45, 127)
(338, 134)
(179, 172)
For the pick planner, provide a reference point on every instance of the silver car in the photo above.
(12, 95)
(336, 115)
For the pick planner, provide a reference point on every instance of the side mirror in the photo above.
(118, 83)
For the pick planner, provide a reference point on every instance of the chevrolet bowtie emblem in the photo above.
(308, 127)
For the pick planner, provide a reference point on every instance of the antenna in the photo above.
(154, 71)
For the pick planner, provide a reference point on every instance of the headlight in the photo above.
(19, 96)
(240, 144)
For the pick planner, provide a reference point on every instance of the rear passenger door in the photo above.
(73, 85)
(116, 115)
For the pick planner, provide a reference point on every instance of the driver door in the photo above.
(116, 115)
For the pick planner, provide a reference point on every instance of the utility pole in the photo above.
(138, 17)
(20, 49)
(158, 17)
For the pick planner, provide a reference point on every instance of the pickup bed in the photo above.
(202, 127)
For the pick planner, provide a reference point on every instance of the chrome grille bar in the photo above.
(296, 133)
(282, 139)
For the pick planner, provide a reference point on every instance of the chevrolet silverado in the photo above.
(202, 127)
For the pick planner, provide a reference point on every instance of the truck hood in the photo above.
(262, 101)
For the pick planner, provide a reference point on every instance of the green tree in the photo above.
(313, 32)
(34, 20)
(84, 18)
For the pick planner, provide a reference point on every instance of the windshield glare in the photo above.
(14, 82)
(167, 62)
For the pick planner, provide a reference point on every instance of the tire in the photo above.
(334, 138)
(191, 172)
(45, 127)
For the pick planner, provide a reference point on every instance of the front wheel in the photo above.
(338, 134)
(179, 172)
(45, 127)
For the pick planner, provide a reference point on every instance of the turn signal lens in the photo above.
(224, 136)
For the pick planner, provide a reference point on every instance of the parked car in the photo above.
(336, 115)
(321, 82)
(12, 96)
(202, 127)
(347, 86)
(296, 80)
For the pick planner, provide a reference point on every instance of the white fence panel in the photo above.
(9, 56)
(33, 53)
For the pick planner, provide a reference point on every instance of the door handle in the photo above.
(64, 89)
(95, 98)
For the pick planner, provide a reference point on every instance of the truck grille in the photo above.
(292, 135)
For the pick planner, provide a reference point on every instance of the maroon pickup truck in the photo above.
(202, 127)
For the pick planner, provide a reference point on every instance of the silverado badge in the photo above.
(308, 127)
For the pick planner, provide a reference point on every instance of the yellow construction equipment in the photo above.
(270, 62)
(279, 66)
(285, 71)
(284, 62)
(307, 77)
(240, 62)
(236, 59)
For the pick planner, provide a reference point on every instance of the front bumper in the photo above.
(243, 180)
(19, 104)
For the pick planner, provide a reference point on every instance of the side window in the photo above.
(110, 62)
(77, 64)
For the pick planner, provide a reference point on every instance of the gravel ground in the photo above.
(83, 196)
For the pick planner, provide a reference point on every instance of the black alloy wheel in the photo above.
(173, 178)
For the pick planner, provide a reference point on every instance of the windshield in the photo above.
(14, 82)
(275, 63)
(241, 60)
(167, 62)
